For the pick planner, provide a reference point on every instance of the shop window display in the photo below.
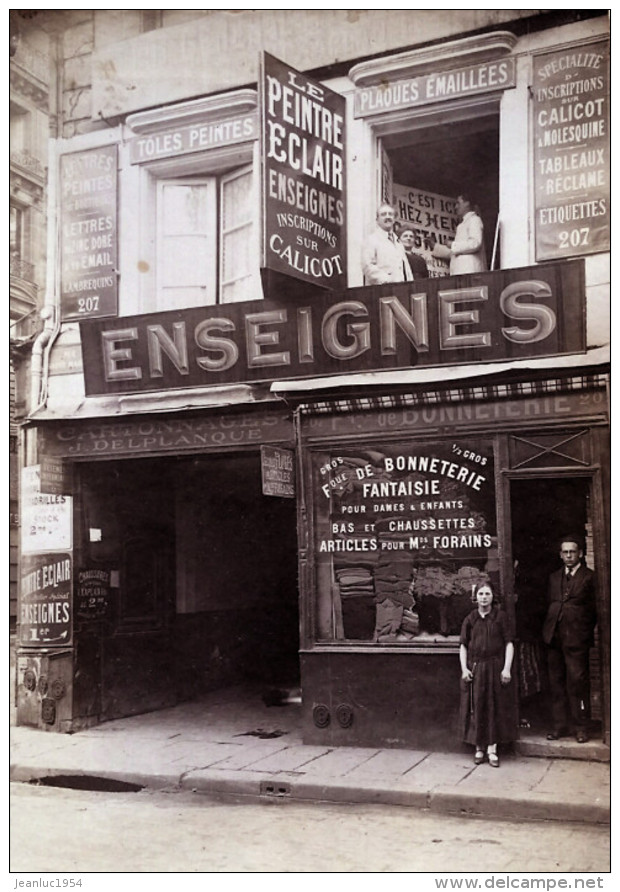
(403, 534)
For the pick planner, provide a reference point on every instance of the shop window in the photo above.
(403, 533)
(201, 219)
(429, 162)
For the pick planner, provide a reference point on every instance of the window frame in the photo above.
(252, 222)
(211, 280)
(321, 572)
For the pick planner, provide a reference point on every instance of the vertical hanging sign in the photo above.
(572, 152)
(46, 574)
(303, 176)
(88, 232)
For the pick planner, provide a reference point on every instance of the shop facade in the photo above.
(245, 467)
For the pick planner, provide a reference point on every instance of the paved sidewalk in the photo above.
(223, 745)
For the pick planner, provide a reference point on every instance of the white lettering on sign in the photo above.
(571, 110)
(303, 147)
(193, 138)
(346, 331)
(405, 93)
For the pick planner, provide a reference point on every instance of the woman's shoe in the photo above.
(479, 757)
(493, 760)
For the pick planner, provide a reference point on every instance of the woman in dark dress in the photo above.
(486, 655)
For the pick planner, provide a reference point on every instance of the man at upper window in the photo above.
(467, 252)
(383, 257)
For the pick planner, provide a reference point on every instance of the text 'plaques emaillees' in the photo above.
(572, 152)
(425, 89)
(88, 230)
(303, 176)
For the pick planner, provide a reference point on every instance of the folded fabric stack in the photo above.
(357, 596)
(355, 581)
(392, 581)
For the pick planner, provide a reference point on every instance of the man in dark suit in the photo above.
(568, 632)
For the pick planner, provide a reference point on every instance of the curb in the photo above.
(529, 807)
(21, 774)
(259, 786)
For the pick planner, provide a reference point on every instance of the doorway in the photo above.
(542, 511)
(202, 576)
(237, 572)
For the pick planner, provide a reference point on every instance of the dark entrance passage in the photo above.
(236, 574)
(543, 510)
(200, 572)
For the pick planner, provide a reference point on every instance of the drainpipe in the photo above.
(50, 311)
(38, 394)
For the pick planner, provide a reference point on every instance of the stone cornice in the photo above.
(439, 57)
(24, 85)
(209, 108)
(24, 180)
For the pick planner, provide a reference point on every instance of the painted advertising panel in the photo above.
(432, 217)
(303, 176)
(505, 314)
(132, 437)
(526, 410)
(47, 521)
(393, 95)
(193, 138)
(92, 594)
(278, 471)
(53, 476)
(572, 151)
(88, 231)
(45, 605)
(405, 531)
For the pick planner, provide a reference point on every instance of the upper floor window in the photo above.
(16, 230)
(186, 242)
(428, 165)
(192, 172)
(207, 247)
(19, 127)
(239, 260)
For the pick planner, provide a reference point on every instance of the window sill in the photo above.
(420, 645)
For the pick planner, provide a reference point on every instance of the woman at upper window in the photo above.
(467, 253)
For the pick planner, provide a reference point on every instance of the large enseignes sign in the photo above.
(88, 231)
(391, 96)
(572, 151)
(505, 314)
(303, 176)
